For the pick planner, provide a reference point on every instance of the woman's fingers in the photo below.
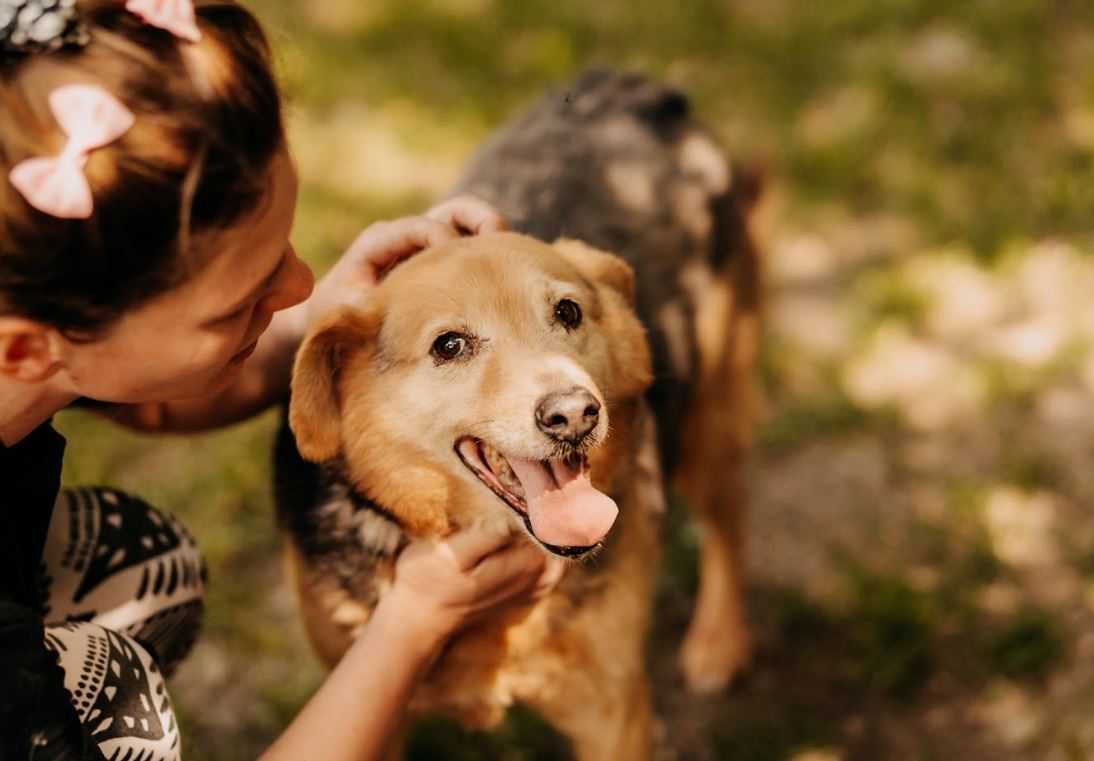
(494, 560)
(518, 567)
(551, 576)
(384, 244)
(470, 546)
(469, 215)
(472, 574)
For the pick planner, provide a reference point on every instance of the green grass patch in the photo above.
(1030, 470)
(1016, 386)
(890, 627)
(522, 737)
(1027, 646)
(328, 221)
(680, 551)
(778, 736)
(1083, 561)
(885, 295)
(835, 414)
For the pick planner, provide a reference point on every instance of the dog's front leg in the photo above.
(604, 724)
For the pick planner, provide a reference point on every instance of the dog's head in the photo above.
(475, 385)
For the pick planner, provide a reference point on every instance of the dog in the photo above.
(552, 381)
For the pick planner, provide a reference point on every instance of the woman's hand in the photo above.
(440, 586)
(444, 586)
(384, 244)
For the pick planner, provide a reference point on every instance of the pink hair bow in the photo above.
(175, 16)
(91, 118)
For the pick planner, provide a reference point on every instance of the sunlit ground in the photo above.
(921, 548)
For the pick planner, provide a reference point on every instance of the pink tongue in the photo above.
(575, 515)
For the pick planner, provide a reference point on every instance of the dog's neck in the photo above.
(357, 517)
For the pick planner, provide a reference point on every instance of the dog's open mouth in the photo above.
(554, 498)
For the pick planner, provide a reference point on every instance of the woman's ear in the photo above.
(29, 351)
(600, 266)
(315, 408)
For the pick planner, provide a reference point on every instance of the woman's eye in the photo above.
(229, 320)
(450, 346)
(568, 313)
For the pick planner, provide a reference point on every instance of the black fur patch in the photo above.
(341, 534)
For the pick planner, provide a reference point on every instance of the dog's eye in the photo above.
(450, 346)
(568, 313)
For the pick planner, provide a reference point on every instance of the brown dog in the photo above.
(507, 381)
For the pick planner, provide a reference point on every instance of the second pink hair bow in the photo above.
(175, 16)
(91, 118)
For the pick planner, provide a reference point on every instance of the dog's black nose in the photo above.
(568, 415)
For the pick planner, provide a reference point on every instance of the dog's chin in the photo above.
(492, 469)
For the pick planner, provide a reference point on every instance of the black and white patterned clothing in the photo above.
(114, 601)
(113, 560)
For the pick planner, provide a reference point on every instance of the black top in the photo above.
(33, 700)
(31, 475)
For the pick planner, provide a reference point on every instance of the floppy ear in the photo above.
(315, 408)
(609, 269)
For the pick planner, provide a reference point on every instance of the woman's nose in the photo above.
(293, 286)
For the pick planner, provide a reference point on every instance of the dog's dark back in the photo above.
(603, 161)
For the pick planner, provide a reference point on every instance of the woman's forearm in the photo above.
(360, 706)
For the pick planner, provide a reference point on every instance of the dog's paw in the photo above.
(712, 657)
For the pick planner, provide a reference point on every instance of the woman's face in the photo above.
(193, 340)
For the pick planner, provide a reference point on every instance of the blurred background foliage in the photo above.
(922, 559)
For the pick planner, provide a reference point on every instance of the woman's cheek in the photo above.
(216, 351)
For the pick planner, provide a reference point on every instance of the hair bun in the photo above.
(34, 26)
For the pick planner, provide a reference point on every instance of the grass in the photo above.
(770, 738)
(914, 107)
(889, 634)
(886, 295)
(1028, 646)
(813, 419)
(523, 737)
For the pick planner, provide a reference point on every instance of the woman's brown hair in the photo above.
(208, 123)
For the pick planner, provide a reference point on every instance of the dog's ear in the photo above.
(600, 266)
(315, 409)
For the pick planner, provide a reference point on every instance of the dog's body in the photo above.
(615, 163)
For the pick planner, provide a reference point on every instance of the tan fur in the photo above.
(363, 384)
(719, 428)
(315, 409)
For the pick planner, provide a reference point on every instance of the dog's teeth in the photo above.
(510, 482)
(500, 468)
(494, 460)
